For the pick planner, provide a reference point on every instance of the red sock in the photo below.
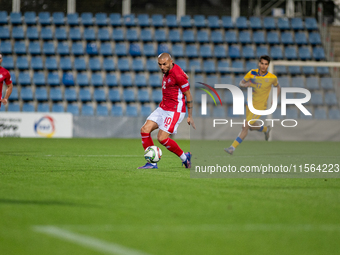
(146, 140)
(172, 146)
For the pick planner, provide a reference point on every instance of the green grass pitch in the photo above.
(91, 189)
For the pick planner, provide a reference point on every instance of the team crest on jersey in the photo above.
(1, 76)
(266, 80)
(169, 80)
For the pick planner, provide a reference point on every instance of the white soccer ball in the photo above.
(153, 154)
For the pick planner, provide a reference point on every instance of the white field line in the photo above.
(89, 242)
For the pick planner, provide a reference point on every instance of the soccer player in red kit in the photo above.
(171, 111)
(5, 77)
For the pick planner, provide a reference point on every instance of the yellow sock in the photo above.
(236, 143)
(264, 129)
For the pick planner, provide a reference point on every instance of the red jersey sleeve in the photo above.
(8, 79)
(182, 81)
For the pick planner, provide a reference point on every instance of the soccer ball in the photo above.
(153, 154)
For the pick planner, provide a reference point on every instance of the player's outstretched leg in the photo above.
(187, 163)
(172, 146)
(267, 133)
(147, 141)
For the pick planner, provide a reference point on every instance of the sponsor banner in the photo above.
(49, 125)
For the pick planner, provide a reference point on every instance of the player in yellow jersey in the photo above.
(261, 81)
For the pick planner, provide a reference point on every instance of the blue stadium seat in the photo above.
(41, 94)
(223, 66)
(115, 19)
(319, 53)
(152, 65)
(32, 33)
(216, 37)
(28, 107)
(83, 79)
(228, 98)
(300, 38)
(326, 82)
(44, 18)
(171, 20)
(56, 95)
(291, 113)
(73, 108)
(177, 50)
(219, 112)
(188, 36)
(58, 18)
(87, 19)
(97, 80)
(68, 79)
(87, 110)
(59, 107)
(149, 50)
(287, 38)
(77, 49)
(8, 62)
(3, 17)
(129, 95)
(273, 37)
(255, 23)
(283, 23)
(248, 52)
(199, 78)
(322, 70)
(18, 33)
(234, 51)
(92, 49)
(15, 18)
(143, 96)
(63, 48)
(114, 95)
(294, 70)
(320, 114)
(20, 48)
(304, 53)
(258, 37)
(53, 79)
(140, 80)
(123, 64)
(6, 47)
(70, 95)
(276, 52)
(129, 20)
(244, 37)
(280, 70)
(174, 35)
(73, 19)
(146, 35)
(104, 34)
(297, 24)
(14, 95)
(145, 111)
(26, 94)
(85, 95)
(308, 70)
(182, 64)
(241, 22)
(117, 111)
(51, 63)
(22, 63)
(118, 34)
(111, 80)
(121, 49)
(24, 78)
(185, 21)
(132, 35)
(89, 34)
(227, 22)
(213, 22)
(102, 110)
(4, 33)
(315, 38)
(195, 64)
(155, 80)
(138, 65)
(237, 66)
(160, 35)
(75, 34)
(48, 48)
(157, 20)
(202, 36)
(316, 98)
(284, 81)
(143, 20)
(205, 51)
(212, 79)
(156, 96)
(34, 48)
(252, 64)
(199, 21)
(80, 64)
(220, 51)
(333, 114)
(13, 107)
(95, 64)
(126, 80)
(13, 77)
(312, 83)
(60, 34)
(108, 64)
(311, 24)
(131, 111)
(135, 49)
(46, 34)
(230, 37)
(65, 64)
(290, 52)
(209, 66)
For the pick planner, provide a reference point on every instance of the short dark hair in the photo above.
(265, 57)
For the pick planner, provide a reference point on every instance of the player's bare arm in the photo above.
(189, 104)
(244, 83)
(8, 93)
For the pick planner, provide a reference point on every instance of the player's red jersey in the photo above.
(174, 84)
(4, 77)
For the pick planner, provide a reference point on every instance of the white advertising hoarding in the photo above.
(48, 125)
